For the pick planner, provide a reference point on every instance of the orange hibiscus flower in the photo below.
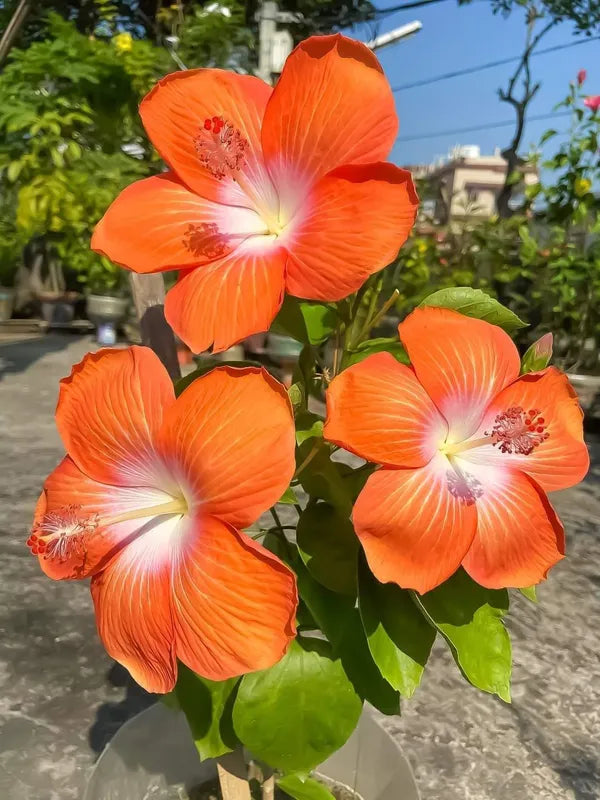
(468, 450)
(149, 502)
(269, 190)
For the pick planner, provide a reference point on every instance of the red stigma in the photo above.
(518, 432)
(62, 534)
(221, 147)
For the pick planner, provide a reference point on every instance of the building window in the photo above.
(472, 195)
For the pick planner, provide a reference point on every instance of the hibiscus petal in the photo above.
(414, 530)
(229, 438)
(132, 599)
(462, 363)
(332, 106)
(234, 603)
(378, 410)
(173, 114)
(519, 537)
(69, 491)
(353, 224)
(222, 303)
(562, 460)
(109, 410)
(158, 224)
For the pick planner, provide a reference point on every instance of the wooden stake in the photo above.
(268, 788)
(233, 776)
(149, 297)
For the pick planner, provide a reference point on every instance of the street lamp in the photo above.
(403, 32)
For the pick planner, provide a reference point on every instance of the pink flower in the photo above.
(592, 102)
(581, 76)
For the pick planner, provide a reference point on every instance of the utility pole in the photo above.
(267, 25)
(274, 45)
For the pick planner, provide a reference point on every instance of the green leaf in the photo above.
(288, 497)
(530, 593)
(310, 323)
(364, 673)
(382, 345)
(475, 303)
(320, 321)
(307, 789)
(548, 135)
(300, 711)
(400, 638)
(289, 321)
(207, 706)
(469, 617)
(340, 622)
(538, 355)
(13, 170)
(323, 478)
(329, 547)
(296, 395)
(308, 426)
(207, 365)
(170, 700)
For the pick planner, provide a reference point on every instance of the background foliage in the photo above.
(543, 262)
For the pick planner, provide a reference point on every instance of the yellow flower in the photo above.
(421, 247)
(123, 42)
(582, 186)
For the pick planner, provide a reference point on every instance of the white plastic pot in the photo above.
(153, 757)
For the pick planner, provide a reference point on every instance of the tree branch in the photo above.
(13, 28)
(520, 105)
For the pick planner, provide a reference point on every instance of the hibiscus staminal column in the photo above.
(64, 533)
(514, 431)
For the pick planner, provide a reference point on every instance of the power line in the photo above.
(383, 12)
(468, 70)
(484, 127)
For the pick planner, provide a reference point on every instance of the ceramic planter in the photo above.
(153, 756)
(106, 312)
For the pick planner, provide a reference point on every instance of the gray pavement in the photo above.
(62, 698)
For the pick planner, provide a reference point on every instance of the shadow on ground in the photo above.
(110, 716)
(16, 357)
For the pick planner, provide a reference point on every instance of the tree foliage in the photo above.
(153, 20)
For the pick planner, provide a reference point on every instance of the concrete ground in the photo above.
(62, 698)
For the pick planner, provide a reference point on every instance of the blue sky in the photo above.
(456, 37)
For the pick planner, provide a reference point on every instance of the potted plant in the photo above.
(49, 282)
(275, 569)
(107, 297)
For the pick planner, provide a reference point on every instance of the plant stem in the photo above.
(275, 516)
(385, 308)
(336, 352)
(308, 459)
